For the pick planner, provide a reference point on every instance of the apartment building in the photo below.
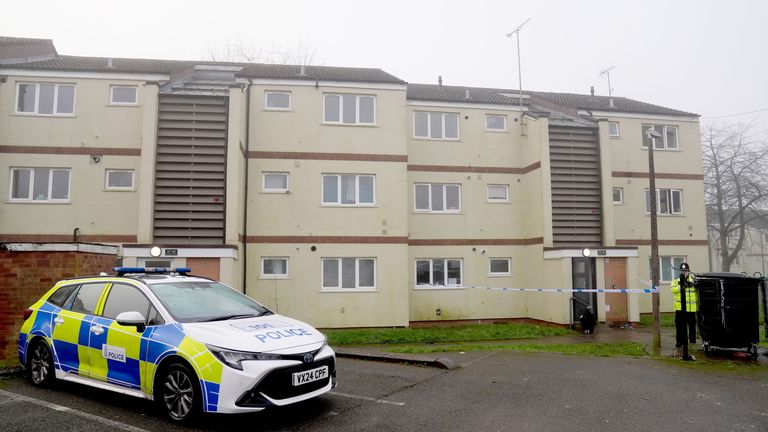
(348, 197)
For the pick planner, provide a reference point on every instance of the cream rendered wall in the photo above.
(95, 124)
(301, 295)
(300, 212)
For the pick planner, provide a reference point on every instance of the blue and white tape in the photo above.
(564, 290)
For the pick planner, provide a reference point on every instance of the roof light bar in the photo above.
(153, 270)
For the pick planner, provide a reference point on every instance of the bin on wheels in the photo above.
(728, 314)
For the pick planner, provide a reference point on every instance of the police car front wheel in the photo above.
(178, 394)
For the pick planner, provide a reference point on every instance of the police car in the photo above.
(189, 343)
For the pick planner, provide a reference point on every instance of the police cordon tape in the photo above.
(650, 290)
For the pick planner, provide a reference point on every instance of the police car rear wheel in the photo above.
(179, 395)
(40, 364)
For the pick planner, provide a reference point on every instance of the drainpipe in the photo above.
(245, 192)
(76, 235)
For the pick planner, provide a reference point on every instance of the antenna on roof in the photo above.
(607, 72)
(516, 32)
(440, 80)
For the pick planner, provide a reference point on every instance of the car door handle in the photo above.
(97, 329)
(58, 320)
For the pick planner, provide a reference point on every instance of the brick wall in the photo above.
(616, 277)
(25, 276)
(208, 267)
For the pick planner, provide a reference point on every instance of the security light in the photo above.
(155, 251)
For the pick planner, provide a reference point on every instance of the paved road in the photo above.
(504, 391)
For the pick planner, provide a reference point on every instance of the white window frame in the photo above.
(497, 200)
(618, 130)
(32, 186)
(338, 203)
(338, 287)
(444, 189)
(490, 266)
(502, 116)
(357, 109)
(670, 192)
(264, 187)
(621, 196)
(55, 112)
(672, 259)
(274, 275)
(119, 188)
(664, 144)
(112, 95)
(271, 92)
(442, 123)
(432, 284)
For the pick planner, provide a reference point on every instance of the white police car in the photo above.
(189, 343)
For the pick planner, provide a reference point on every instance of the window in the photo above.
(119, 179)
(349, 109)
(45, 99)
(613, 129)
(274, 182)
(437, 198)
(500, 267)
(736, 261)
(61, 295)
(348, 190)
(123, 95)
(40, 184)
(277, 100)
(668, 201)
(495, 122)
(438, 272)
(349, 273)
(272, 267)
(668, 266)
(125, 298)
(86, 298)
(618, 195)
(436, 125)
(498, 193)
(668, 140)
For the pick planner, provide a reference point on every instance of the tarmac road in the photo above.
(499, 391)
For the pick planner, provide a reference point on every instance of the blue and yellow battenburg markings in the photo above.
(117, 354)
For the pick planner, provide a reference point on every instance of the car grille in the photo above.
(277, 384)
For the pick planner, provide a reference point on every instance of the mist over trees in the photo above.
(242, 51)
(735, 164)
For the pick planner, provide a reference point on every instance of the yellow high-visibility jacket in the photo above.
(691, 295)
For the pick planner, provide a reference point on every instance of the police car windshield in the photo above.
(189, 301)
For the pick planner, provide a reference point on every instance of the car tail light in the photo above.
(27, 314)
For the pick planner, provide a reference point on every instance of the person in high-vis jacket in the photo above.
(685, 322)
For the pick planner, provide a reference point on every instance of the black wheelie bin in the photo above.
(728, 314)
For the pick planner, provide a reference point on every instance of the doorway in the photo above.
(583, 270)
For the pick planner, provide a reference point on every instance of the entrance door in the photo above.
(583, 272)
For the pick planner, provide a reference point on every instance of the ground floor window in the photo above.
(274, 267)
(438, 272)
(349, 273)
(668, 267)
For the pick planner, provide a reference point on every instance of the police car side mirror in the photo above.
(132, 318)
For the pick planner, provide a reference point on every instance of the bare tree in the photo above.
(735, 166)
(239, 50)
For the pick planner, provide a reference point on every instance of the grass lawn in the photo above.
(667, 319)
(474, 332)
(630, 349)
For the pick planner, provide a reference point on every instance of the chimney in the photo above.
(440, 80)
(592, 90)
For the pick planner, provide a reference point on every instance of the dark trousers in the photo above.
(685, 326)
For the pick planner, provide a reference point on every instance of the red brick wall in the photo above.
(616, 277)
(25, 276)
(208, 267)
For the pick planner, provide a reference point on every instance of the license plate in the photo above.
(309, 376)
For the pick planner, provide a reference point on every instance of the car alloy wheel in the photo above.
(40, 364)
(179, 393)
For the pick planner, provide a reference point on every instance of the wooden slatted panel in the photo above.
(576, 195)
(190, 170)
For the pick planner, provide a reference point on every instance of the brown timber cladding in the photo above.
(190, 170)
(576, 200)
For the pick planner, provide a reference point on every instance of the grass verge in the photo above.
(667, 319)
(430, 335)
(621, 349)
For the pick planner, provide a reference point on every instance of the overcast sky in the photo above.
(706, 57)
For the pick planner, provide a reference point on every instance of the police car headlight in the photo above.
(234, 359)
